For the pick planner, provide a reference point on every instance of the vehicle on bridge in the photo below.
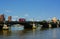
(22, 20)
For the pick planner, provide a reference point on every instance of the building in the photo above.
(54, 19)
(9, 18)
(2, 18)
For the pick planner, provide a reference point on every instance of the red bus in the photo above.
(22, 20)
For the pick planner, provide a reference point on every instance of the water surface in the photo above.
(53, 33)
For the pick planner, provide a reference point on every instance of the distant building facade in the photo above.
(9, 18)
(2, 18)
(54, 19)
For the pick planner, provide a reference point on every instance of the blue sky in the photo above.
(37, 9)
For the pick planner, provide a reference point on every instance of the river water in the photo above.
(50, 33)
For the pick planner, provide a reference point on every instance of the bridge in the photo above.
(29, 24)
(26, 24)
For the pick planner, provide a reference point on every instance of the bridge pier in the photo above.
(34, 26)
(50, 26)
(5, 27)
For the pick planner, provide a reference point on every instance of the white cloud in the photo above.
(15, 16)
(8, 11)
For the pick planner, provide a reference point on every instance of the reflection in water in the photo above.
(34, 33)
(53, 33)
(17, 27)
(6, 32)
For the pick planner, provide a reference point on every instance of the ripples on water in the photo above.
(53, 33)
